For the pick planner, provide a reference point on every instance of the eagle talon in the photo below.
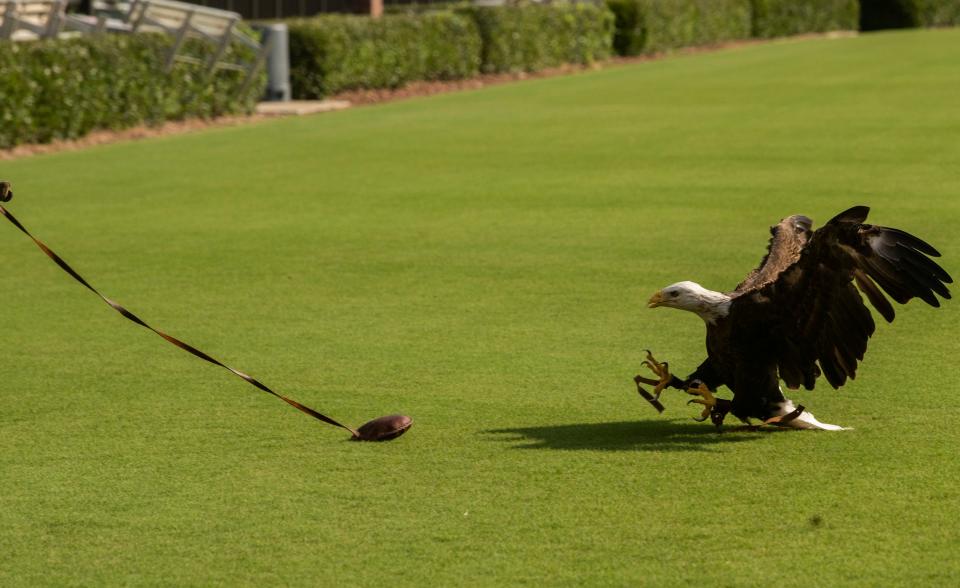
(707, 399)
(703, 416)
(661, 370)
(698, 388)
(663, 379)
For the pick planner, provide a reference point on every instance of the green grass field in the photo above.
(479, 261)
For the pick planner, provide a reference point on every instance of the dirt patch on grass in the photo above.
(366, 97)
(103, 137)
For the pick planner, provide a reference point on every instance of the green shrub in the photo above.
(63, 89)
(531, 37)
(939, 13)
(333, 53)
(421, 8)
(649, 26)
(900, 14)
(780, 18)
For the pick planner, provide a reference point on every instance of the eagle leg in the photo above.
(715, 409)
(707, 399)
(664, 379)
(661, 370)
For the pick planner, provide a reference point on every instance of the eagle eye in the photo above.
(674, 294)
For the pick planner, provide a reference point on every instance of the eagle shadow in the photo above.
(652, 435)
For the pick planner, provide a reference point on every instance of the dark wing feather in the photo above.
(820, 316)
(787, 240)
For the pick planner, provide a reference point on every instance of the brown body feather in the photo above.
(787, 240)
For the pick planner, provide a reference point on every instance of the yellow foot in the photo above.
(661, 370)
(706, 398)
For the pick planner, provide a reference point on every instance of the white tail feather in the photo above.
(806, 420)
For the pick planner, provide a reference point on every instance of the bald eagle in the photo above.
(798, 316)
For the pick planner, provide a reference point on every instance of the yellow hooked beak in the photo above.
(655, 300)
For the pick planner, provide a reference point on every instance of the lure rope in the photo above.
(6, 194)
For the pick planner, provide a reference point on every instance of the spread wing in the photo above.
(820, 316)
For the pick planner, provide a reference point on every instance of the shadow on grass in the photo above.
(659, 435)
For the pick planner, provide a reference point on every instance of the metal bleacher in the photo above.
(25, 20)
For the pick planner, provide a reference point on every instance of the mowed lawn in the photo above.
(479, 261)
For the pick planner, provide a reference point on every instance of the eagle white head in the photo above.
(707, 304)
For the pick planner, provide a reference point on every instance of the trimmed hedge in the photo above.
(781, 18)
(531, 37)
(901, 14)
(421, 8)
(333, 53)
(938, 13)
(63, 89)
(651, 26)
